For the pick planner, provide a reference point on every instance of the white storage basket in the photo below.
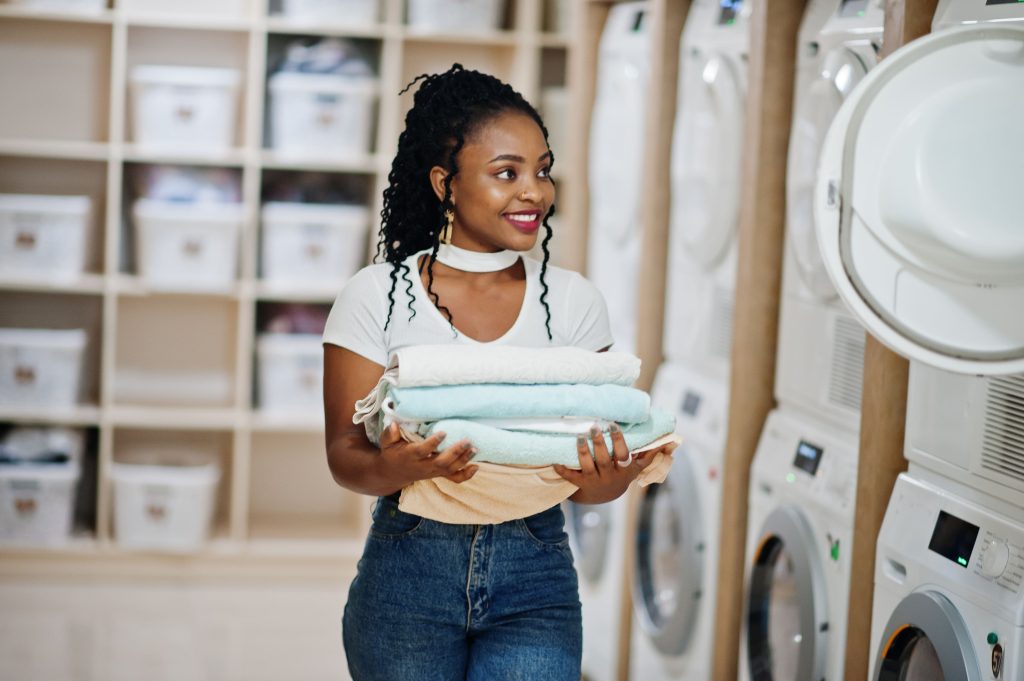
(312, 246)
(455, 16)
(164, 501)
(37, 502)
(41, 367)
(321, 115)
(43, 237)
(338, 12)
(291, 370)
(184, 108)
(187, 246)
(69, 6)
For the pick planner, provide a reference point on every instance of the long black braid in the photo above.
(447, 108)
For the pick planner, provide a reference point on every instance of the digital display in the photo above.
(1004, 2)
(953, 538)
(691, 403)
(730, 9)
(808, 457)
(853, 8)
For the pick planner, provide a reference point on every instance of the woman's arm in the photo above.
(355, 462)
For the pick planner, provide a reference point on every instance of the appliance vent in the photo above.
(1002, 448)
(846, 377)
(721, 323)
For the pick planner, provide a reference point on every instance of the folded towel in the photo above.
(503, 400)
(439, 365)
(497, 494)
(495, 445)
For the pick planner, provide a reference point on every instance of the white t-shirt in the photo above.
(579, 316)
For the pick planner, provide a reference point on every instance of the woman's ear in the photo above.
(437, 177)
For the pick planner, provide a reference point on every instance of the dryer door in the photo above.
(670, 542)
(589, 532)
(706, 157)
(787, 622)
(926, 638)
(918, 203)
(841, 71)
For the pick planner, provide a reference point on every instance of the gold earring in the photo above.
(446, 232)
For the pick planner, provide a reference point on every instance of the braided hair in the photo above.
(447, 108)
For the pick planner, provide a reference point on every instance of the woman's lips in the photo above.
(527, 222)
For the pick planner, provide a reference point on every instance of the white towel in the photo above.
(433, 365)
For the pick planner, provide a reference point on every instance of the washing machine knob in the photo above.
(995, 559)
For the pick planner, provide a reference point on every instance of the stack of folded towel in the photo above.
(522, 409)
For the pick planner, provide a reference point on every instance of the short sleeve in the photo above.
(590, 328)
(357, 318)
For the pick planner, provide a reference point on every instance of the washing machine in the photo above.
(677, 535)
(821, 347)
(615, 167)
(800, 528)
(948, 600)
(597, 535)
(707, 151)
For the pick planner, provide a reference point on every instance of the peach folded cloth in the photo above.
(498, 493)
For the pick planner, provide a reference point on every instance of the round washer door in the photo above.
(786, 602)
(706, 157)
(926, 639)
(841, 70)
(589, 532)
(669, 575)
(918, 204)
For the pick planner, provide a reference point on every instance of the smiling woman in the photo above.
(469, 191)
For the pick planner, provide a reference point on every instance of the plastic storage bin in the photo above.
(43, 237)
(184, 108)
(70, 6)
(164, 500)
(37, 502)
(41, 367)
(453, 16)
(339, 12)
(312, 245)
(291, 370)
(187, 246)
(321, 115)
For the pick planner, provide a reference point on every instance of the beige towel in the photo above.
(499, 493)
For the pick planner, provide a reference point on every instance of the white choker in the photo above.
(475, 261)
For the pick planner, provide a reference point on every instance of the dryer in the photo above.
(800, 528)
(615, 166)
(677, 536)
(707, 151)
(821, 347)
(948, 600)
(597, 535)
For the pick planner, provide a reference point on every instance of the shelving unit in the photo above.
(68, 130)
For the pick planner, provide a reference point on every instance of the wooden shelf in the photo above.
(18, 12)
(186, 22)
(260, 421)
(83, 415)
(488, 39)
(176, 418)
(131, 285)
(229, 158)
(365, 163)
(88, 284)
(553, 40)
(313, 535)
(262, 291)
(286, 26)
(60, 149)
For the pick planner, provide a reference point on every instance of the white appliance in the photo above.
(799, 536)
(707, 150)
(821, 347)
(597, 535)
(676, 570)
(948, 601)
(918, 203)
(616, 164)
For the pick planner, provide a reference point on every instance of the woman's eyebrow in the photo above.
(517, 159)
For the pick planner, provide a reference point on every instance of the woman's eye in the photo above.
(506, 174)
(544, 172)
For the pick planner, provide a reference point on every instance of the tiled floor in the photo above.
(137, 629)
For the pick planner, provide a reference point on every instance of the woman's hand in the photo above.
(601, 478)
(402, 463)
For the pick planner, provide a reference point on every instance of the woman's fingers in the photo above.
(572, 475)
(462, 475)
(601, 455)
(586, 459)
(455, 457)
(428, 448)
(618, 443)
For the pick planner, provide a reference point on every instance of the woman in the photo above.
(434, 600)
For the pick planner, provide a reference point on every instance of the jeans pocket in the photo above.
(546, 528)
(391, 523)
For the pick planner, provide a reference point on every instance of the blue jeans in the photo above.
(475, 602)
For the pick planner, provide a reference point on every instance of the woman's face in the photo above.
(503, 188)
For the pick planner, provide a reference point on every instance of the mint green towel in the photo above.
(541, 449)
(504, 400)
